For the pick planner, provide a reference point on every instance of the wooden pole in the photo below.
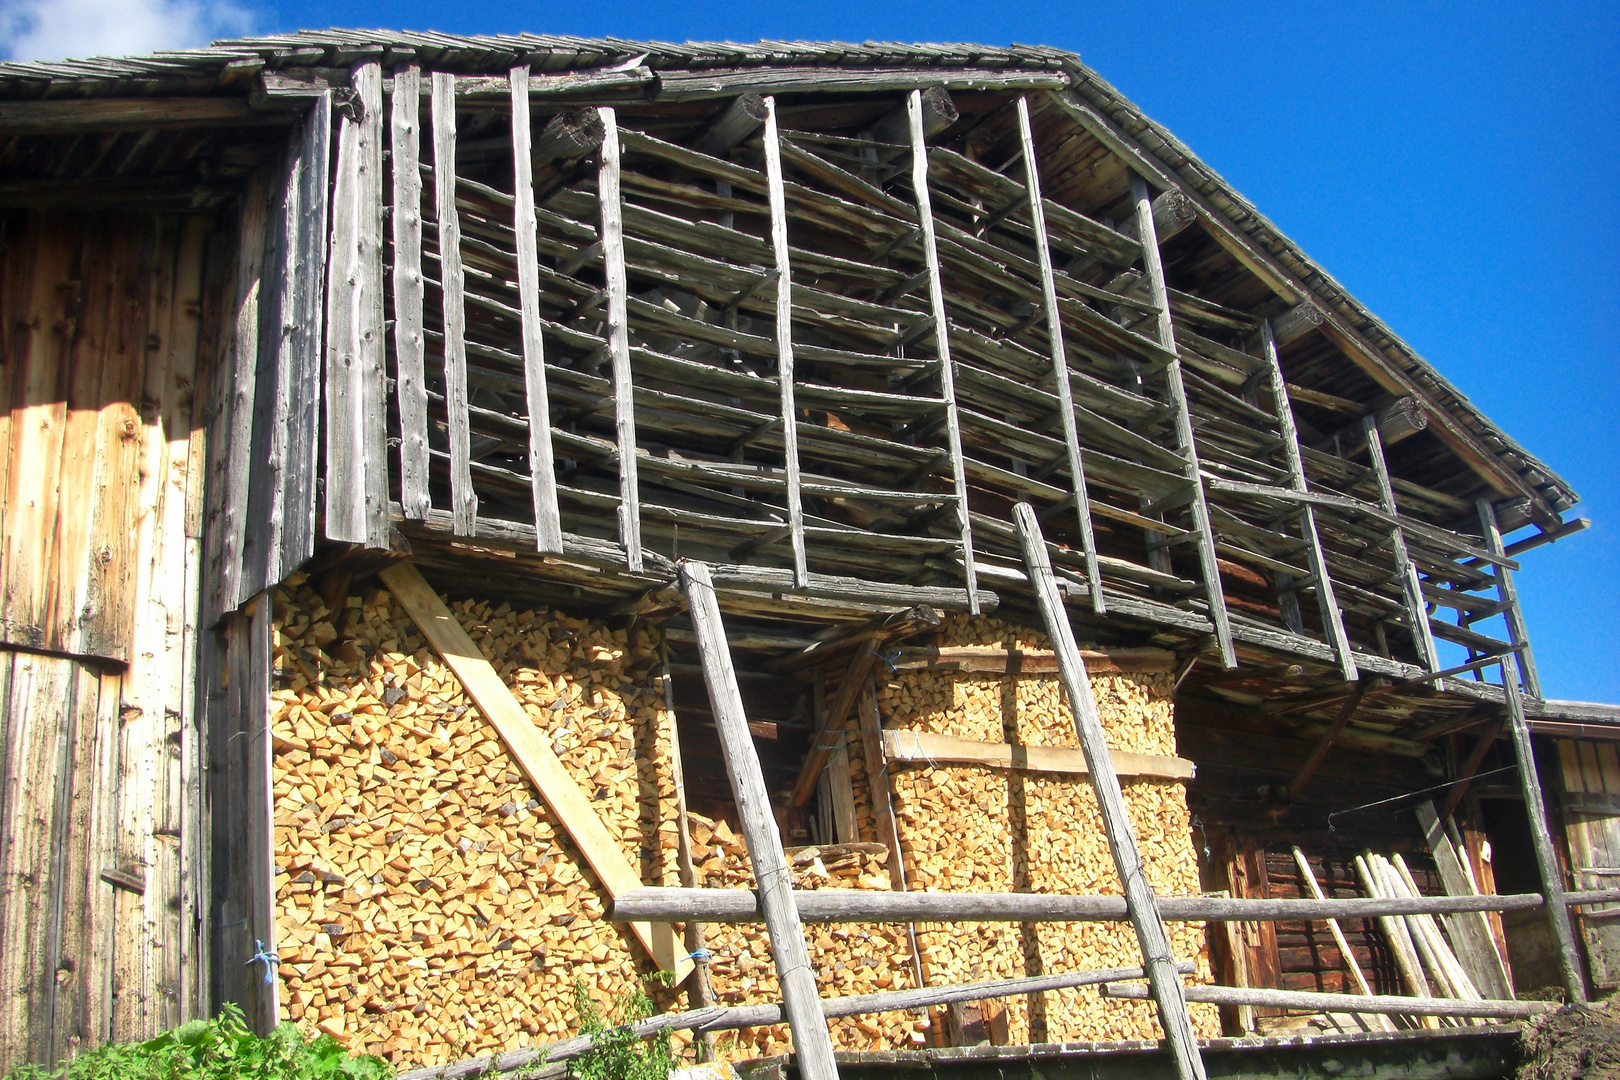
(1411, 588)
(942, 340)
(1139, 900)
(1471, 933)
(877, 776)
(1325, 743)
(410, 346)
(463, 500)
(1060, 359)
(855, 677)
(1188, 449)
(698, 991)
(1345, 951)
(1508, 594)
(784, 340)
(542, 464)
(658, 904)
(801, 1002)
(1354, 1003)
(1326, 601)
(618, 329)
(1476, 757)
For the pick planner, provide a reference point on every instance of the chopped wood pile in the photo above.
(973, 828)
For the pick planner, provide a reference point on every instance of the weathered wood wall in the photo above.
(104, 315)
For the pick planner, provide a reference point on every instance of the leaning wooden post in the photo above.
(1411, 587)
(1060, 359)
(1552, 878)
(624, 401)
(1141, 906)
(784, 340)
(800, 1000)
(942, 340)
(542, 464)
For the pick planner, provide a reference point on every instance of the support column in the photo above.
(542, 464)
(1411, 588)
(1140, 904)
(1326, 602)
(784, 339)
(452, 287)
(410, 344)
(942, 340)
(1508, 594)
(624, 403)
(1177, 394)
(1060, 360)
(812, 1044)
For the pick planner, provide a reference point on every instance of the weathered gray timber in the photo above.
(618, 326)
(853, 905)
(1470, 933)
(1411, 588)
(410, 346)
(452, 288)
(542, 463)
(1507, 595)
(356, 384)
(784, 340)
(800, 998)
(1352, 1003)
(1141, 907)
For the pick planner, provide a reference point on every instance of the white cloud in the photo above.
(57, 29)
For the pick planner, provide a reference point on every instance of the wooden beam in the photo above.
(698, 990)
(1139, 900)
(463, 499)
(410, 344)
(784, 340)
(812, 1045)
(1177, 392)
(1060, 360)
(542, 463)
(1172, 213)
(912, 746)
(568, 136)
(1465, 775)
(356, 383)
(618, 329)
(1400, 419)
(1470, 933)
(994, 660)
(731, 125)
(1327, 602)
(863, 905)
(942, 339)
(938, 111)
(1417, 613)
(1302, 1001)
(1325, 743)
(528, 746)
(65, 116)
(1296, 322)
(1507, 593)
(858, 673)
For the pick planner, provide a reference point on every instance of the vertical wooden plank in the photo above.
(784, 338)
(39, 338)
(1177, 392)
(698, 992)
(542, 463)
(302, 341)
(410, 347)
(1508, 592)
(942, 339)
(1139, 900)
(40, 707)
(1470, 932)
(624, 403)
(1417, 613)
(356, 452)
(877, 776)
(463, 500)
(800, 1001)
(260, 811)
(1060, 359)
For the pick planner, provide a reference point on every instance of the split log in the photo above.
(569, 136)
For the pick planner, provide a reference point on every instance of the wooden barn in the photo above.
(880, 533)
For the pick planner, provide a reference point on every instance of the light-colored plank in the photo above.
(624, 403)
(993, 659)
(410, 347)
(922, 746)
(812, 1045)
(526, 744)
(784, 339)
(463, 500)
(1411, 587)
(1060, 359)
(1470, 933)
(1349, 954)
(942, 341)
(542, 464)
(1157, 959)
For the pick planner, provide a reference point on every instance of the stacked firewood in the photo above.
(979, 829)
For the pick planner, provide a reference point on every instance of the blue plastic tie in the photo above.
(268, 959)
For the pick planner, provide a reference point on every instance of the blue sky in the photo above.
(1455, 167)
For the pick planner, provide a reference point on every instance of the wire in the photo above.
(1416, 794)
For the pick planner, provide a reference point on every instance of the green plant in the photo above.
(616, 1052)
(218, 1049)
